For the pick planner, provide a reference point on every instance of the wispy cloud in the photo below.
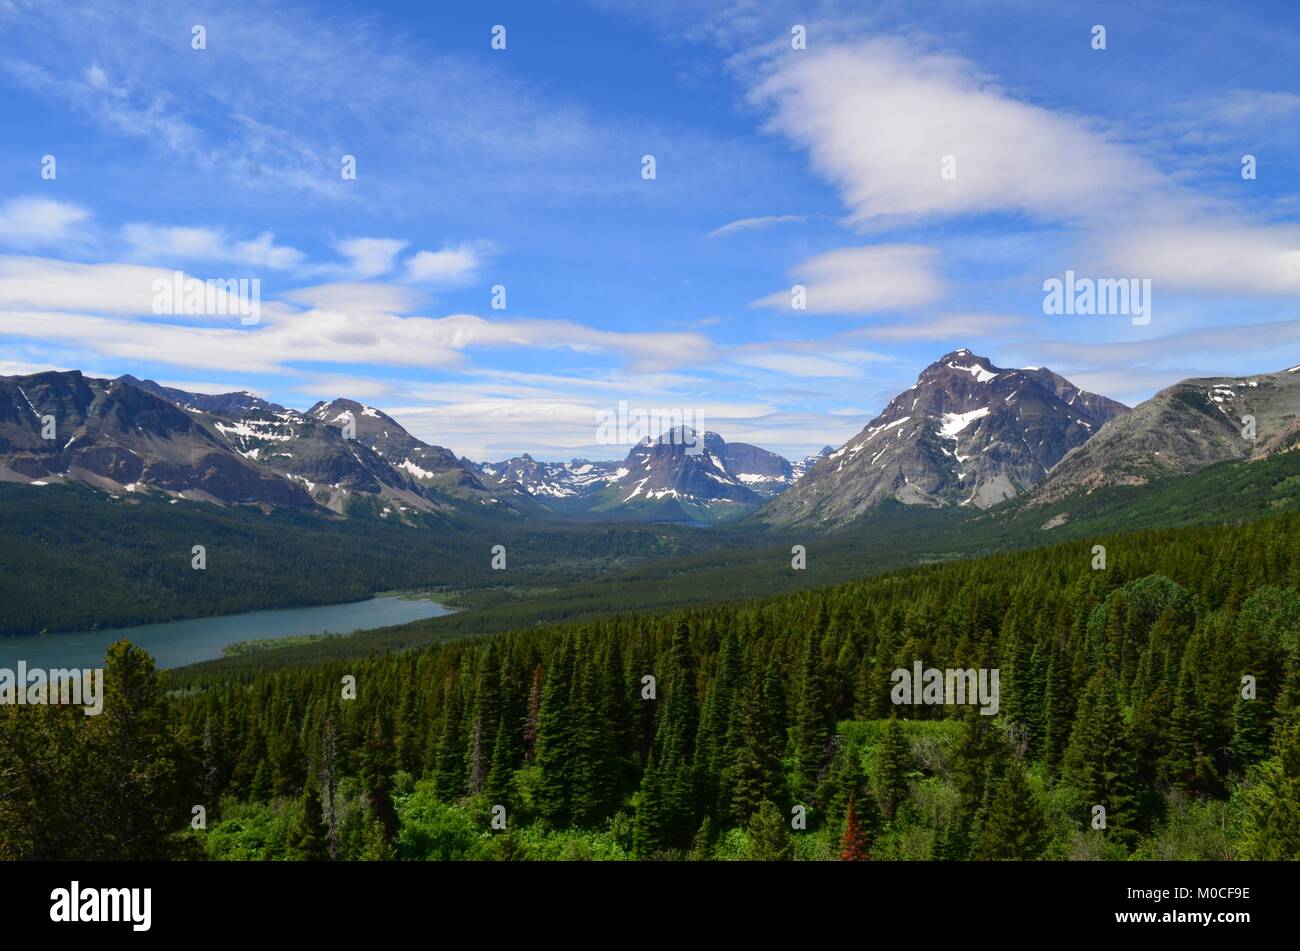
(165, 244)
(370, 257)
(754, 224)
(880, 117)
(38, 221)
(863, 280)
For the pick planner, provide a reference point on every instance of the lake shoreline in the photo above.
(186, 641)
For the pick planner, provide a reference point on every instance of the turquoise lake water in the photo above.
(176, 643)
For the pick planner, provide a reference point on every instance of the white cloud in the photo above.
(941, 327)
(447, 267)
(1221, 257)
(162, 244)
(863, 280)
(54, 301)
(803, 365)
(370, 257)
(754, 224)
(45, 284)
(39, 220)
(23, 368)
(562, 425)
(212, 389)
(358, 297)
(879, 117)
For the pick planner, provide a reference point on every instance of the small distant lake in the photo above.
(177, 643)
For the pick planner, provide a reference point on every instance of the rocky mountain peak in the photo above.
(967, 432)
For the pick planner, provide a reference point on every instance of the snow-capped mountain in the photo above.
(130, 435)
(966, 433)
(123, 438)
(681, 470)
(764, 472)
(801, 467)
(663, 478)
(550, 480)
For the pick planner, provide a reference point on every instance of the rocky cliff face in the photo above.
(966, 433)
(130, 435)
(122, 438)
(1186, 427)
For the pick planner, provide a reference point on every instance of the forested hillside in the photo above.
(1121, 688)
(76, 559)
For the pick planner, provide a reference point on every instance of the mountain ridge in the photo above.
(966, 433)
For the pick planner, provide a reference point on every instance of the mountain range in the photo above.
(127, 435)
(966, 435)
(682, 475)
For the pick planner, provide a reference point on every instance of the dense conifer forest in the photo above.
(1163, 689)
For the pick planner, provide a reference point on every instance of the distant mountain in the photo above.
(765, 473)
(434, 471)
(966, 433)
(1180, 430)
(120, 437)
(667, 479)
(550, 480)
(801, 467)
(659, 479)
(226, 403)
(131, 435)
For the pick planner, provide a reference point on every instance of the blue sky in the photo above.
(522, 168)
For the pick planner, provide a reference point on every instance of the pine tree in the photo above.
(377, 777)
(754, 775)
(893, 764)
(487, 711)
(556, 744)
(449, 769)
(377, 845)
(135, 793)
(1275, 815)
(675, 747)
(702, 850)
(594, 793)
(329, 741)
(1060, 710)
(815, 718)
(498, 781)
(855, 844)
(977, 764)
(1189, 764)
(534, 710)
(1014, 826)
(1099, 760)
(769, 838)
(715, 720)
(308, 839)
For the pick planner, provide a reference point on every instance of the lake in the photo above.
(177, 643)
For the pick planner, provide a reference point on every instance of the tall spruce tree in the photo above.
(1014, 825)
(815, 717)
(1099, 764)
(769, 836)
(309, 838)
(894, 763)
(556, 743)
